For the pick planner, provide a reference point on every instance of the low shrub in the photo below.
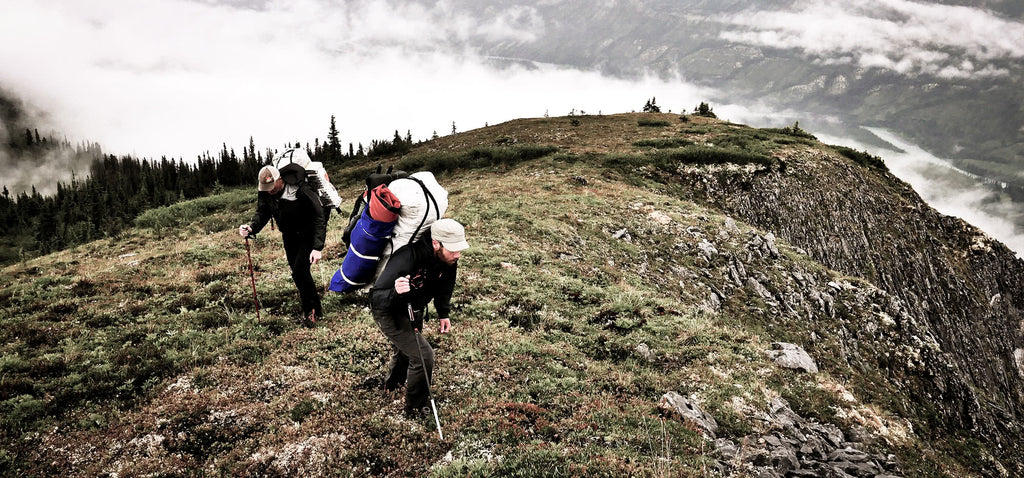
(862, 158)
(302, 410)
(794, 131)
(20, 413)
(649, 123)
(663, 143)
(750, 141)
(186, 212)
(479, 157)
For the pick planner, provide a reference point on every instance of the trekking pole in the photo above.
(252, 278)
(433, 406)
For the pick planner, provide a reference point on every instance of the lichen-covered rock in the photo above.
(792, 356)
(688, 410)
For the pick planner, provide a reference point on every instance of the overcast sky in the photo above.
(179, 77)
(912, 38)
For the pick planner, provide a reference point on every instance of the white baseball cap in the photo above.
(450, 234)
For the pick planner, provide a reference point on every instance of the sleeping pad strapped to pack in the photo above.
(369, 237)
(410, 205)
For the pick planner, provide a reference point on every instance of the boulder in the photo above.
(673, 402)
(792, 356)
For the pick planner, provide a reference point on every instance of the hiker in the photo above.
(416, 274)
(285, 196)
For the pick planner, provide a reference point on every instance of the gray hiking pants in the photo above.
(406, 367)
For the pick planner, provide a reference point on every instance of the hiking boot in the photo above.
(416, 413)
(310, 320)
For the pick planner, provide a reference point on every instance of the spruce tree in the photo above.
(704, 109)
(651, 106)
(333, 143)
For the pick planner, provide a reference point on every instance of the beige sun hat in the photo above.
(450, 234)
(268, 176)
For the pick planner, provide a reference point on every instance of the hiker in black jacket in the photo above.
(285, 196)
(416, 274)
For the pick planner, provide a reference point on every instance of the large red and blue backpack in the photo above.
(394, 211)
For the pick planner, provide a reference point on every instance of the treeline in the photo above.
(118, 189)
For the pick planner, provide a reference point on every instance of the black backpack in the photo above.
(373, 180)
(293, 174)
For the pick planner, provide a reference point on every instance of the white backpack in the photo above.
(423, 202)
(316, 176)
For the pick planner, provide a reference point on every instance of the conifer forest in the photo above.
(118, 188)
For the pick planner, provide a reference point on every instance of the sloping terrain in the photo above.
(617, 315)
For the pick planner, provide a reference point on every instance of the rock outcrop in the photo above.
(797, 447)
(951, 325)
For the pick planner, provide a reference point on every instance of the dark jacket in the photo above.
(303, 216)
(430, 278)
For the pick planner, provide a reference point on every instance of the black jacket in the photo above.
(430, 278)
(303, 216)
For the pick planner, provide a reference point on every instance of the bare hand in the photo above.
(444, 325)
(402, 285)
(244, 230)
(314, 256)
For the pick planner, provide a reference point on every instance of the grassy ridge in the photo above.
(144, 355)
(543, 357)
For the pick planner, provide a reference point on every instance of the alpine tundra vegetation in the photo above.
(648, 295)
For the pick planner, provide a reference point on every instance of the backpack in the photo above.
(372, 233)
(422, 201)
(373, 180)
(315, 175)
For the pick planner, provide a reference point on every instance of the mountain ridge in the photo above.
(971, 120)
(616, 258)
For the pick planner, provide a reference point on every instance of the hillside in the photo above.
(632, 279)
(973, 119)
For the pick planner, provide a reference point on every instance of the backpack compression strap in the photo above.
(430, 198)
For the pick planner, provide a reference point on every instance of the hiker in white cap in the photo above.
(285, 196)
(417, 273)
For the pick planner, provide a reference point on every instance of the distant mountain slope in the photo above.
(945, 100)
(621, 266)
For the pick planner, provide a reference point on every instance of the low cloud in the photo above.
(177, 77)
(947, 189)
(908, 37)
